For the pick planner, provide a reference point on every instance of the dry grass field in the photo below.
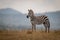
(28, 35)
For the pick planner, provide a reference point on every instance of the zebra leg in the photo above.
(35, 28)
(45, 25)
(48, 27)
(32, 28)
(45, 29)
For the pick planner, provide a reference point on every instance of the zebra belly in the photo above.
(36, 22)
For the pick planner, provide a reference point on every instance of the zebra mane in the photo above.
(31, 11)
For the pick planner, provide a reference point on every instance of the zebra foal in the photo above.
(36, 20)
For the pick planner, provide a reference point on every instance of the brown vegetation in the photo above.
(29, 35)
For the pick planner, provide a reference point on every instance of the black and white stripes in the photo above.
(43, 19)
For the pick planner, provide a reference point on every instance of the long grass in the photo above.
(29, 35)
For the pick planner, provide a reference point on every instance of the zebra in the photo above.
(36, 20)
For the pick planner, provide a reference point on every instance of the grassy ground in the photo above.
(28, 35)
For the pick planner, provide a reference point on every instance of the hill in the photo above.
(11, 19)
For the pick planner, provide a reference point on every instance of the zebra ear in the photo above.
(28, 9)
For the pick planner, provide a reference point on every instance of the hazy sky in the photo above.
(38, 6)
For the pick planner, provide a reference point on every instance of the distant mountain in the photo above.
(15, 20)
(9, 11)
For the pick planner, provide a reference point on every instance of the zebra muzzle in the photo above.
(27, 16)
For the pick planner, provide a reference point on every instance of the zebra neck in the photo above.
(32, 18)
